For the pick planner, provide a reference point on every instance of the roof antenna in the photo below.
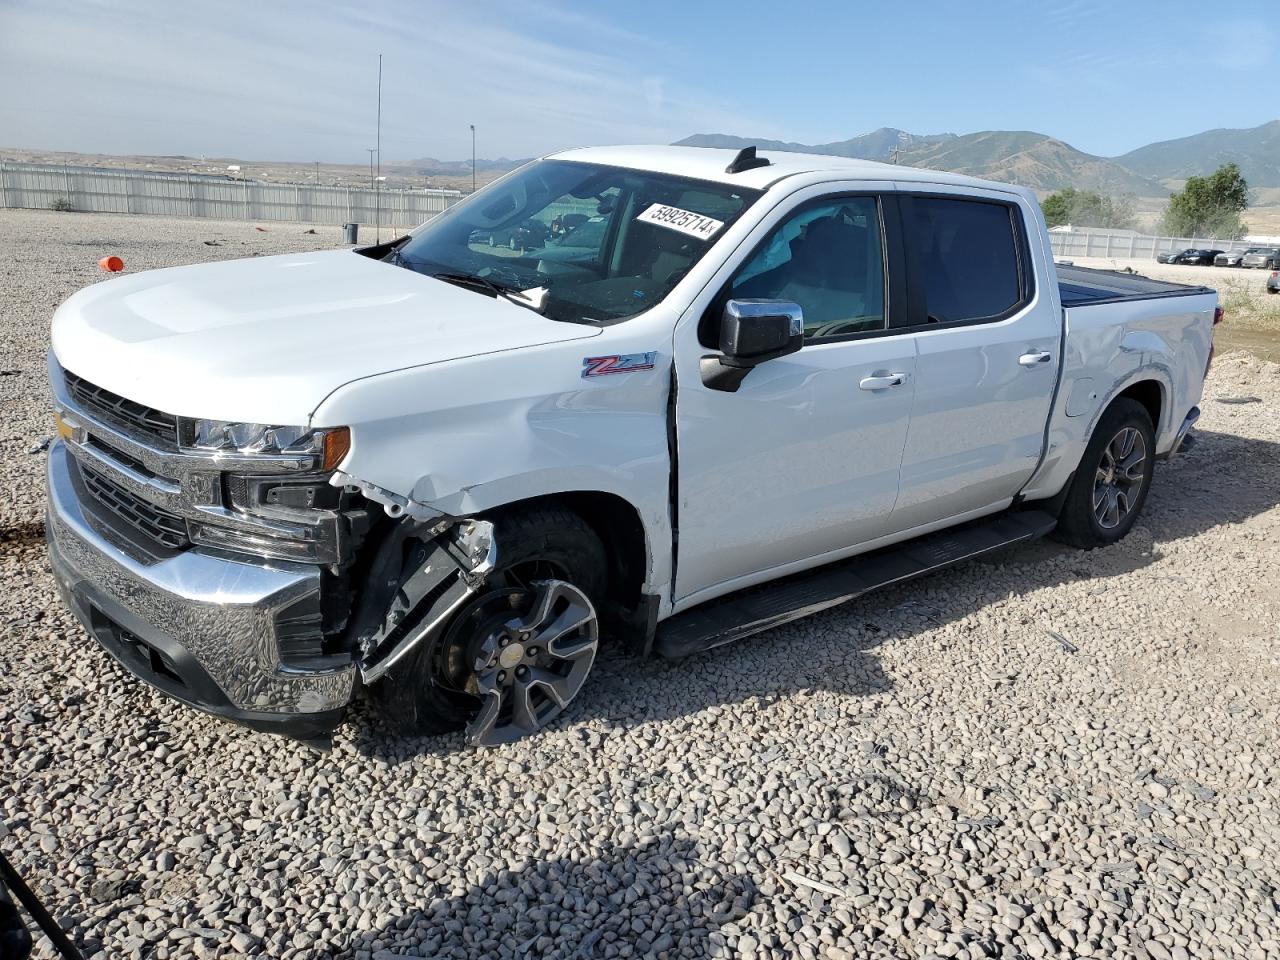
(746, 160)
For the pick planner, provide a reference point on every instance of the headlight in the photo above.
(329, 444)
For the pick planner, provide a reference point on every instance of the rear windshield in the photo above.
(602, 243)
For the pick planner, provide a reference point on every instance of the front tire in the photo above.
(517, 652)
(1111, 484)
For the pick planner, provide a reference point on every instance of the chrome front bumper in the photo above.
(198, 626)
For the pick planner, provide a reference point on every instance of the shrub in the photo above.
(61, 204)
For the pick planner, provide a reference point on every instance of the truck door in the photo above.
(987, 355)
(801, 462)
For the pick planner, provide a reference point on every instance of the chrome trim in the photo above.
(1183, 430)
(157, 487)
(189, 484)
(744, 309)
(220, 610)
(174, 463)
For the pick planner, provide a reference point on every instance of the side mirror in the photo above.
(751, 332)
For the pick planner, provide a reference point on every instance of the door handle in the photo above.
(1035, 357)
(882, 381)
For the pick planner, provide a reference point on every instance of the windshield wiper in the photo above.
(480, 284)
(473, 280)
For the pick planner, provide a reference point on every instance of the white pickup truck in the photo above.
(665, 396)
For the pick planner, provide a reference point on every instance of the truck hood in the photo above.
(267, 339)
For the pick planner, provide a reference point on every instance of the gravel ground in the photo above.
(1048, 754)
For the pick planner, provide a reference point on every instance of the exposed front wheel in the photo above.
(529, 667)
(1110, 485)
(520, 650)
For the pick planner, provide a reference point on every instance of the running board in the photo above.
(770, 605)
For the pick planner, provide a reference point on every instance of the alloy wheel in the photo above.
(1118, 482)
(528, 667)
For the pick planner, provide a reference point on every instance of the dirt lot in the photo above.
(1048, 754)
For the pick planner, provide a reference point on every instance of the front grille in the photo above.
(165, 528)
(133, 463)
(118, 411)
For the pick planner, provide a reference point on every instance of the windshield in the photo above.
(599, 243)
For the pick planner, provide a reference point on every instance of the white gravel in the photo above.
(928, 772)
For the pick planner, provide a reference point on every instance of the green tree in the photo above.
(1057, 207)
(1209, 206)
(1085, 208)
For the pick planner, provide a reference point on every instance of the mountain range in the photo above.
(1046, 163)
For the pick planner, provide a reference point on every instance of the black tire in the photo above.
(543, 543)
(1079, 523)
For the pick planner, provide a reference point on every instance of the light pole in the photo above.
(379, 126)
(473, 158)
(317, 173)
(377, 215)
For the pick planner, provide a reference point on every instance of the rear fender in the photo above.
(1111, 347)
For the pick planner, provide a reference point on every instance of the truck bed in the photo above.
(1082, 286)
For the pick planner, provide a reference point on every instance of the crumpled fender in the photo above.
(464, 437)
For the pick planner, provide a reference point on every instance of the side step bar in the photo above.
(770, 605)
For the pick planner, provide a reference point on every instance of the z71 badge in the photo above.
(618, 363)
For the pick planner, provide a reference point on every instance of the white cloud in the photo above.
(295, 80)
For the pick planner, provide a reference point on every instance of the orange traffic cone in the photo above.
(111, 264)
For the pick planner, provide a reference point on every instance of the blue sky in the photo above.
(294, 80)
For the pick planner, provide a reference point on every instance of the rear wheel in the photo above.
(1110, 485)
(520, 650)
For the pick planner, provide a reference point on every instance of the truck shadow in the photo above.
(1225, 480)
(658, 894)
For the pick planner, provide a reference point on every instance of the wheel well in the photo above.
(617, 523)
(1150, 394)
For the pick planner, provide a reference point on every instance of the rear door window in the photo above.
(967, 258)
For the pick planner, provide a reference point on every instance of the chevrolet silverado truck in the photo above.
(437, 471)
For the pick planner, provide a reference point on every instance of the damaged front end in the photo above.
(503, 653)
(423, 574)
(496, 651)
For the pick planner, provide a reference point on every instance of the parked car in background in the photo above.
(1262, 258)
(1273, 282)
(1203, 258)
(1236, 258)
(1171, 256)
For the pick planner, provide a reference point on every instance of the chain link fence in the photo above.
(97, 190)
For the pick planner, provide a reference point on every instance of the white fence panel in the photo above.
(97, 190)
(1109, 245)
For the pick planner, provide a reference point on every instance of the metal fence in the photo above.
(1103, 243)
(97, 190)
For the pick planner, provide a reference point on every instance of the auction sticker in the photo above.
(686, 221)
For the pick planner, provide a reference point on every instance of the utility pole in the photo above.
(371, 151)
(473, 158)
